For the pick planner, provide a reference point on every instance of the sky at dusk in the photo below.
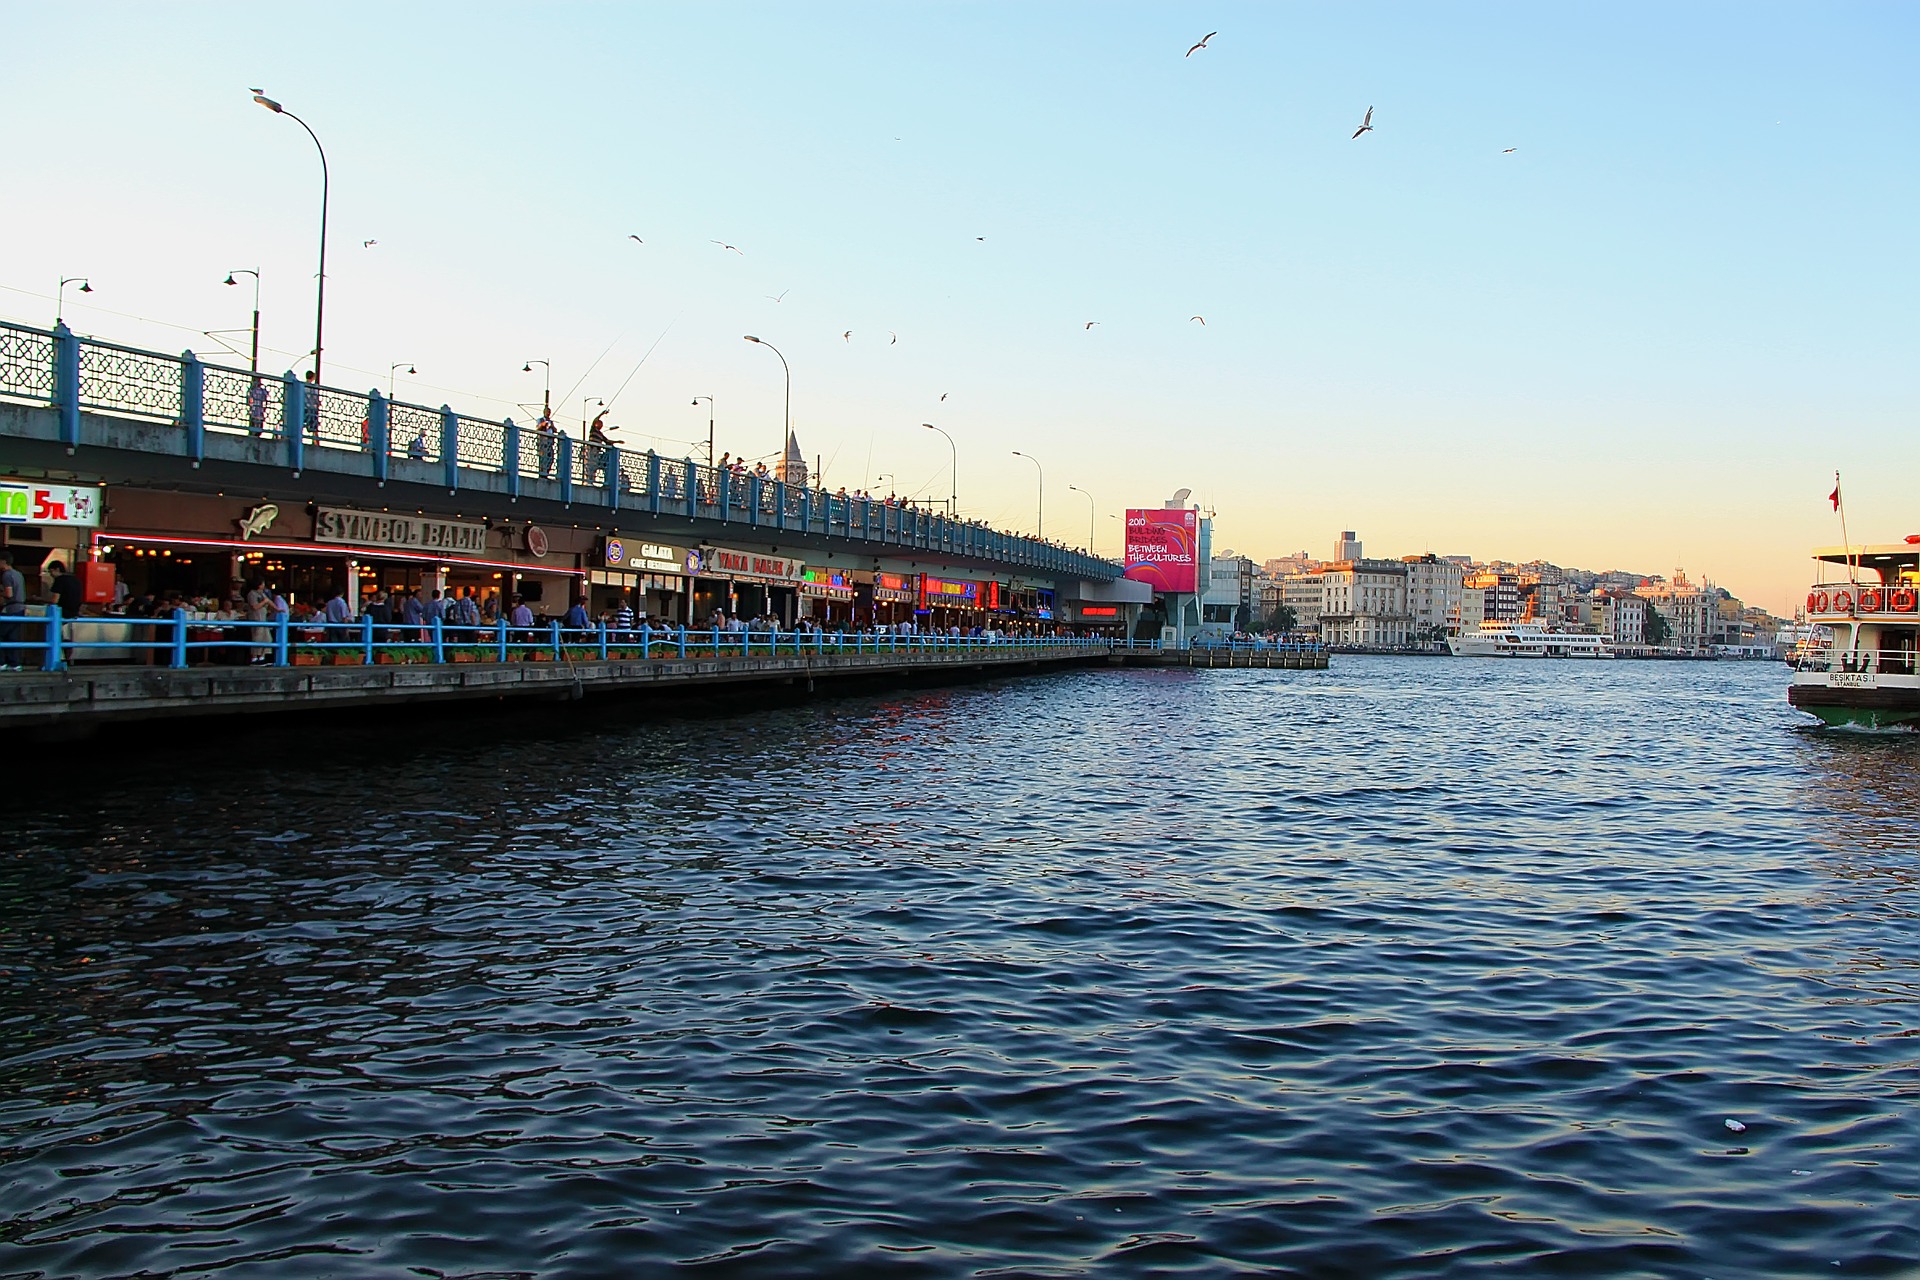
(1644, 338)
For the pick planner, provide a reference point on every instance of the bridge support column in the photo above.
(450, 447)
(377, 433)
(612, 456)
(66, 383)
(510, 457)
(193, 405)
(565, 454)
(293, 419)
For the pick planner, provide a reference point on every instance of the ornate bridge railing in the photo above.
(342, 430)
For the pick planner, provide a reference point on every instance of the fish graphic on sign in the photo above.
(258, 520)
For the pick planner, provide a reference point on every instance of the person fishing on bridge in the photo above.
(598, 443)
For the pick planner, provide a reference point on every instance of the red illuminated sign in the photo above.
(1098, 611)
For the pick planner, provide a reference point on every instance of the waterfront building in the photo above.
(1689, 610)
(1346, 547)
(1498, 594)
(1304, 593)
(1364, 604)
(1622, 617)
(1226, 605)
(1433, 597)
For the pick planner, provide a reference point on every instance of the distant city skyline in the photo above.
(1617, 286)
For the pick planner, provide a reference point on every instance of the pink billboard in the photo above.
(1163, 548)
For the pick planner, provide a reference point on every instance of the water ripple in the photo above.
(1403, 969)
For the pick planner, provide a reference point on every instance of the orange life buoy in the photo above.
(1842, 602)
(1819, 602)
(1813, 602)
(1870, 600)
(1902, 600)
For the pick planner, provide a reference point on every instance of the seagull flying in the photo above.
(893, 339)
(1366, 126)
(724, 245)
(847, 336)
(945, 394)
(636, 239)
(368, 244)
(783, 293)
(1203, 44)
(1201, 319)
(1092, 323)
(1509, 151)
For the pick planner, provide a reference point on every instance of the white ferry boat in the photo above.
(1866, 676)
(1526, 640)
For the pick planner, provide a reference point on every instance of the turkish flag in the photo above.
(1834, 497)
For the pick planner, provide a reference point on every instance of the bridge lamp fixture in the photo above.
(60, 294)
(546, 394)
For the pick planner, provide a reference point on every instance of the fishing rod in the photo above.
(611, 400)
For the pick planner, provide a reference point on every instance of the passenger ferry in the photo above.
(1526, 640)
(1866, 676)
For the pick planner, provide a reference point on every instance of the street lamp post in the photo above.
(1090, 515)
(709, 400)
(586, 401)
(60, 294)
(546, 393)
(390, 372)
(953, 472)
(253, 360)
(1040, 513)
(320, 296)
(787, 426)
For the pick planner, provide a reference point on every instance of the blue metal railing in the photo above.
(297, 422)
(178, 641)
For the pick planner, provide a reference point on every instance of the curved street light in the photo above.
(546, 393)
(1040, 513)
(787, 427)
(320, 295)
(709, 400)
(253, 360)
(953, 472)
(1090, 516)
(390, 372)
(60, 294)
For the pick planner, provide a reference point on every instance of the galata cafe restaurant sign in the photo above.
(410, 533)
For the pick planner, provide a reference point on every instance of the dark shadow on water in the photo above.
(382, 736)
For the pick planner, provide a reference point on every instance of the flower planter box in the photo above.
(537, 655)
(299, 659)
(466, 655)
(346, 660)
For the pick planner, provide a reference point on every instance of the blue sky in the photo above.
(1644, 339)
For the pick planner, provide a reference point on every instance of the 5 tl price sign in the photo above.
(49, 502)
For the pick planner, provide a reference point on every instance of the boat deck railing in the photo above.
(1893, 662)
